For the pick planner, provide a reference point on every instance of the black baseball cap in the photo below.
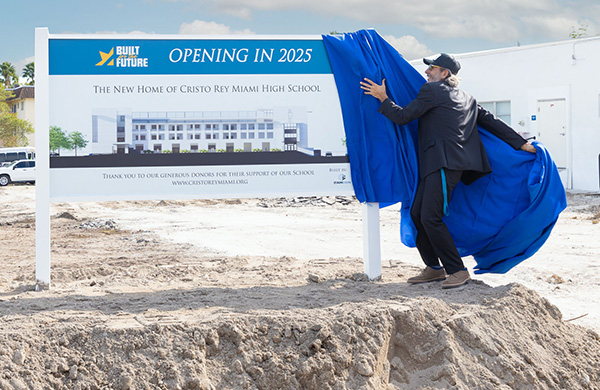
(445, 61)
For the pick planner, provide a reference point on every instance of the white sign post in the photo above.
(42, 183)
(371, 240)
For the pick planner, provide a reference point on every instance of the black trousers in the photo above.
(434, 241)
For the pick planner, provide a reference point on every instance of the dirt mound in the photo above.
(142, 297)
(504, 338)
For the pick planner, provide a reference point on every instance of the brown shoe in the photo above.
(456, 279)
(428, 275)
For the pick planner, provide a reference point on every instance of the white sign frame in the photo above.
(370, 213)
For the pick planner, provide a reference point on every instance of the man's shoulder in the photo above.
(438, 87)
(437, 90)
(435, 85)
(428, 89)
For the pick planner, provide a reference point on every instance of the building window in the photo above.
(194, 148)
(179, 127)
(251, 135)
(269, 126)
(196, 136)
(208, 135)
(261, 134)
(161, 137)
(243, 126)
(171, 136)
(225, 126)
(251, 126)
(215, 135)
(233, 135)
(157, 148)
(94, 129)
(243, 135)
(190, 136)
(499, 108)
(225, 135)
(269, 134)
(233, 126)
(171, 127)
(179, 136)
(261, 126)
(154, 138)
(143, 137)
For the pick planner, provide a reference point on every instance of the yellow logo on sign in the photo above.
(105, 57)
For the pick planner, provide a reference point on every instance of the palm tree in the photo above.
(29, 73)
(8, 73)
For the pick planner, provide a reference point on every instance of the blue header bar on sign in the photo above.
(186, 56)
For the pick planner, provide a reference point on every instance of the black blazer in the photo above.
(448, 136)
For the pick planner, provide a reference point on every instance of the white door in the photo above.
(552, 129)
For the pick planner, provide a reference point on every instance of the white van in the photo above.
(18, 153)
(18, 171)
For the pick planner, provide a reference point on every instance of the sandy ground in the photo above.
(269, 294)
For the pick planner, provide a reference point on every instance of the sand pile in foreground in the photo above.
(132, 310)
(484, 338)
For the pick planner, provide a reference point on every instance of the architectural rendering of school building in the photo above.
(277, 129)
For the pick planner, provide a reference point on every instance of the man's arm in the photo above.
(397, 114)
(500, 129)
(413, 110)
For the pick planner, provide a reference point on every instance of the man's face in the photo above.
(435, 73)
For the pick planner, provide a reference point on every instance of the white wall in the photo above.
(560, 70)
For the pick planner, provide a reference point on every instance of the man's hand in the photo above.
(374, 89)
(528, 147)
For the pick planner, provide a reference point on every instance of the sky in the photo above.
(416, 28)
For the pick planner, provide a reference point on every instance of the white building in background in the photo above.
(124, 131)
(22, 104)
(549, 91)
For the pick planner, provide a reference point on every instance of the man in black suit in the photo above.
(450, 150)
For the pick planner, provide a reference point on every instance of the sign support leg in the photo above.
(371, 240)
(42, 179)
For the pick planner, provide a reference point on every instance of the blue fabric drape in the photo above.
(501, 219)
